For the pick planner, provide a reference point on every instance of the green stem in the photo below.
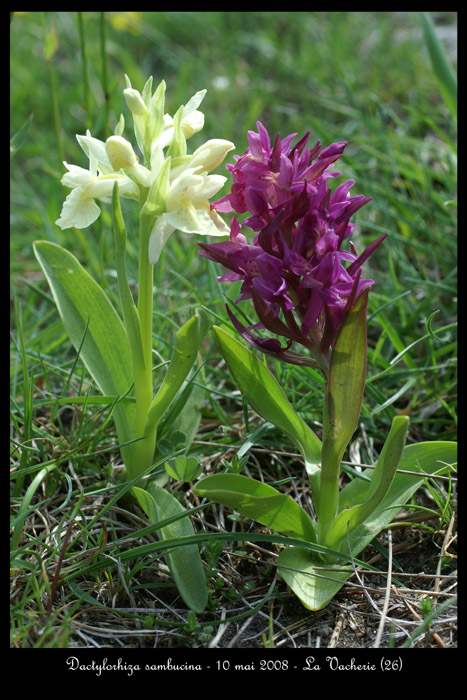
(104, 72)
(138, 328)
(145, 289)
(84, 59)
(144, 452)
(329, 485)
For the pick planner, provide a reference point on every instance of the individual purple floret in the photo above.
(294, 269)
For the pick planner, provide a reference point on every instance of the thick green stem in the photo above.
(145, 290)
(343, 403)
(329, 485)
(136, 330)
(144, 449)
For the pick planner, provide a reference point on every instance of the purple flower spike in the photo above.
(293, 270)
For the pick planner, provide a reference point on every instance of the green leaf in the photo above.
(104, 350)
(269, 401)
(187, 343)
(346, 381)
(184, 561)
(260, 502)
(183, 468)
(390, 456)
(315, 583)
(426, 458)
(382, 479)
(344, 396)
(171, 443)
(442, 67)
(184, 414)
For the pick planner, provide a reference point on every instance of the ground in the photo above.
(250, 607)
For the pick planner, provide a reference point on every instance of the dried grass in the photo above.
(250, 606)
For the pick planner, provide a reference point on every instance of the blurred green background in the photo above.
(344, 76)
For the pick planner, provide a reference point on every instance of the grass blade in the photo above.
(443, 70)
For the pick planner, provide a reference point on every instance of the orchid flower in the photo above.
(307, 288)
(192, 120)
(188, 209)
(173, 188)
(79, 209)
(294, 270)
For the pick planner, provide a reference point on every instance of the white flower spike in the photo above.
(174, 187)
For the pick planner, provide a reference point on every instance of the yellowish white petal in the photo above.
(78, 210)
(211, 154)
(160, 233)
(135, 102)
(76, 176)
(120, 153)
(95, 148)
(192, 123)
(193, 103)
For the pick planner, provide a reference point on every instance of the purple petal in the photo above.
(271, 346)
(312, 313)
(271, 321)
(335, 149)
(318, 168)
(299, 146)
(365, 255)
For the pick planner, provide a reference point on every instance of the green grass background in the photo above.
(363, 77)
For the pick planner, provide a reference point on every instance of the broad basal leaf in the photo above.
(315, 583)
(269, 401)
(183, 561)
(105, 350)
(382, 478)
(260, 502)
(423, 458)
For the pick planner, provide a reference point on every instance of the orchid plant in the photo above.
(307, 289)
(172, 189)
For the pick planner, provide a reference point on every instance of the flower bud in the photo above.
(211, 154)
(135, 102)
(192, 123)
(192, 118)
(120, 153)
